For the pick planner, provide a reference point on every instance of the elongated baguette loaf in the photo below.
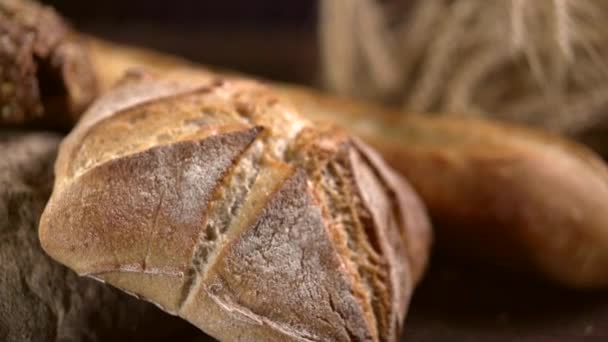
(213, 199)
(513, 196)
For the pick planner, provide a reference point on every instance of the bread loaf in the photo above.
(489, 186)
(46, 77)
(213, 199)
(518, 197)
(513, 196)
(41, 300)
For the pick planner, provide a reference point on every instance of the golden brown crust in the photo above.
(521, 198)
(40, 300)
(459, 167)
(284, 249)
(211, 198)
(366, 207)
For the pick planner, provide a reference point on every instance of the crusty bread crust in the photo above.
(213, 199)
(519, 197)
(526, 199)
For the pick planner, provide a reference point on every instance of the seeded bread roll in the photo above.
(213, 199)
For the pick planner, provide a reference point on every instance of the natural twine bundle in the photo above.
(540, 62)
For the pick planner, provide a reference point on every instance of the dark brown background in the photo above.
(271, 38)
(459, 300)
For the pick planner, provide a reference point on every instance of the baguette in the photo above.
(517, 197)
(211, 198)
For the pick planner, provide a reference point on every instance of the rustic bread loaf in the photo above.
(41, 300)
(46, 77)
(519, 197)
(213, 199)
(513, 196)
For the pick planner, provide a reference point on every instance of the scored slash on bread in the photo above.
(213, 199)
(512, 196)
(520, 198)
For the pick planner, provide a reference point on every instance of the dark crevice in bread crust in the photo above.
(229, 195)
(366, 248)
(346, 213)
(155, 160)
(326, 157)
(377, 272)
(415, 228)
(407, 233)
